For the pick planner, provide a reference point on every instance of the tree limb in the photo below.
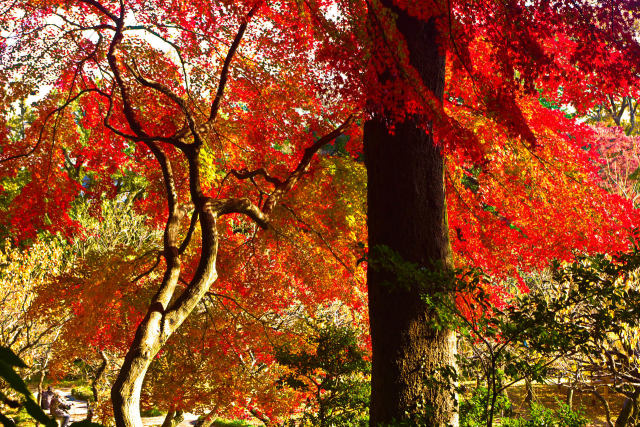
(224, 74)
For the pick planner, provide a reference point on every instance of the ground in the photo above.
(549, 394)
(545, 394)
(78, 411)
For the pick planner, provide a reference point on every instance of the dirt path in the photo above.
(79, 409)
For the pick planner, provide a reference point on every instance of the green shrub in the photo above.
(570, 418)
(472, 409)
(151, 412)
(339, 371)
(82, 393)
(539, 416)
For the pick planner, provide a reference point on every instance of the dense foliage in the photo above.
(178, 182)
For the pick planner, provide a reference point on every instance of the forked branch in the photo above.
(303, 165)
(261, 217)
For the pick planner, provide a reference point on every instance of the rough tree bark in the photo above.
(407, 214)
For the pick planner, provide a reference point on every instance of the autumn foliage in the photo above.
(252, 112)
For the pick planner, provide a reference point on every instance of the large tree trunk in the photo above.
(407, 214)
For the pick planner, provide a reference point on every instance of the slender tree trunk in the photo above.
(569, 399)
(99, 377)
(40, 382)
(407, 214)
(162, 319)
(605, 404)
(530, 393)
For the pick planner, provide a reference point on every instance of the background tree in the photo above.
(333, 372)
(479, 108)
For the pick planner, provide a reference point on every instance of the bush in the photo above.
(82, 393)
(472, 410)
(539, 416)
(335, 375)
(151, 412)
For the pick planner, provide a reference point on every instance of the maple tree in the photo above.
(224, 132)
(462, 80)
(221, 109)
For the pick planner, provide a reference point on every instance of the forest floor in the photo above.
(548, 395)
(79, 409)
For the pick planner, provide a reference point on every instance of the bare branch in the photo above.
(246, 174)
(321, 236)
(224, 74)
(149, 271)
(101, 8)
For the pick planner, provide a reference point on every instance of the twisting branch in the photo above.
(303, 166)
(117, 76)
(245, 206)
(242, 206)
(170, 43)
(135, 138)
(152, 84)
(246, 174)
(127, 105)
